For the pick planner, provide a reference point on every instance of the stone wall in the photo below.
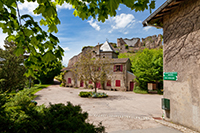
(182, 55)
(152, 41)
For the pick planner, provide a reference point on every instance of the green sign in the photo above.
(170, 76)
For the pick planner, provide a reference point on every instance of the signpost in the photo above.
(170, 76)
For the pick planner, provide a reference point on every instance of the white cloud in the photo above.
(119, 9)
(65, 6)
(94, 24)
(2, 38)
(28, 7)
(147, 28)
(66, 49)
(121, 22)
(126, 32)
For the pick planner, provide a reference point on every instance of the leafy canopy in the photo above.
(48, 71)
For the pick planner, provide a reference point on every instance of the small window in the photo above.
(90, 82)
(69, 80)
(109, 83)
(118, 68)
(117, 83)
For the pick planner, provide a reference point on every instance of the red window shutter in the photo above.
(114, 68)
(90, 82)
(118, 83)
(69, 80)
(109, 83)
(121, 68)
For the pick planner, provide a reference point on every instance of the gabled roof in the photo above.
(156, 18)
(106, 47)
(119, 60)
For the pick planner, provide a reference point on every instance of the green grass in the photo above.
(140, 91)
(37, 87)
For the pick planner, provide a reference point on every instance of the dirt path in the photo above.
(120, 112)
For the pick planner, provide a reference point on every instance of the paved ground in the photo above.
(121, 112)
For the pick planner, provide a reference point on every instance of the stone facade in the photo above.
(182, 54)
(181, 26)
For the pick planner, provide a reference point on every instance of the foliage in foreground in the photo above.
(19, 114)
(43, 46)
(93, 94)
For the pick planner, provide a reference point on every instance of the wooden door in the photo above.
(131, 86)
(81, 83)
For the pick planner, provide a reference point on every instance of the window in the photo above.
(118, 68)
(108, 82)
(69, 80)
(90, 82)
(117, 83)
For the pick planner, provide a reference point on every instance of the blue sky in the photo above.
(74, 33)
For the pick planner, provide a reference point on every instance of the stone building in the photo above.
(180, 20)
(119, 78)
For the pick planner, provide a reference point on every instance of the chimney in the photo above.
(98, 50)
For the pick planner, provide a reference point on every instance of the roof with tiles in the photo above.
(117, 60)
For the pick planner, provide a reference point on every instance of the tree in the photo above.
(147, 66)
(91, 69)
(11, 69)
(48, 71)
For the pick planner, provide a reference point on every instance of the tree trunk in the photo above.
(95, 87)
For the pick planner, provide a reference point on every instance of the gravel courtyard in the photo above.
(121, 112)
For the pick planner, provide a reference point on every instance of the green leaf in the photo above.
(19, 51)
(48, 56)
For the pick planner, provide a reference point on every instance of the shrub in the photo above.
(62, 85)
(126, 46)
(92, 94)
(19, 114)
(91, 86)
(85, 94)
(99, 95)
(137, 89)
(117, 52)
